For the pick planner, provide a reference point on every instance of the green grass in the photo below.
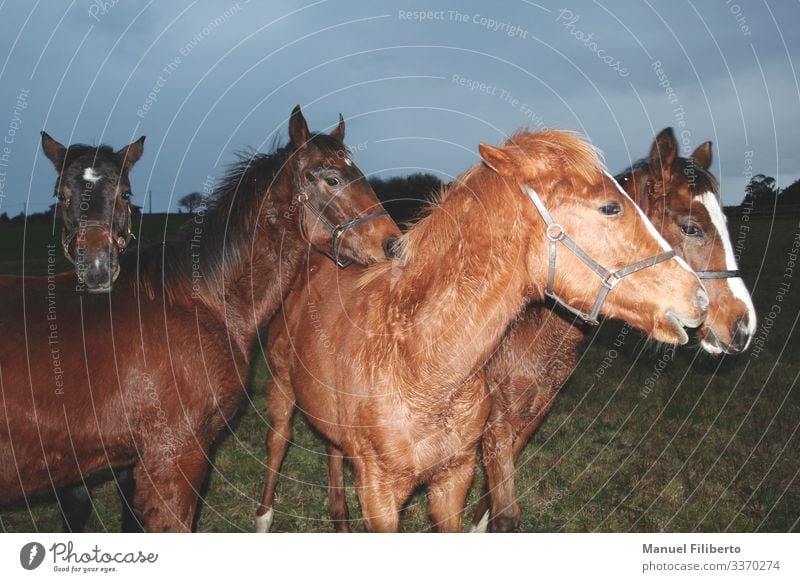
(713, 447)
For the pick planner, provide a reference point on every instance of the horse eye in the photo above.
(690, 229)
(127, 195)
(331, 181)
(611, 209)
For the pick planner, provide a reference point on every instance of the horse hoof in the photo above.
(482, 526)
(264, 522)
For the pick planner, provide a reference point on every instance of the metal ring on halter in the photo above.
(554, 237)
(121, 241)
(611, 280)
(336, 230)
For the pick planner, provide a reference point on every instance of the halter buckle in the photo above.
(611, 280)
(554, 232)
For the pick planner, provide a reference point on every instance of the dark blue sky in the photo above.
(204, 79)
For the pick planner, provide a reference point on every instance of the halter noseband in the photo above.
(729, 274)
(555, 234)
(337, 230)
(121, 241)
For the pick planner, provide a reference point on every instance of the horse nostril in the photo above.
(701, 299)
(391, 248)
(740, 334)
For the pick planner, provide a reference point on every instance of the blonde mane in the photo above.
(544, 156)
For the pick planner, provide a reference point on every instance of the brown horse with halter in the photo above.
(93, 193)
(382, 362)
(148, 375)
(542, 348)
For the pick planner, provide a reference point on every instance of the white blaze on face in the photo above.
(735, 284)
(91, 176)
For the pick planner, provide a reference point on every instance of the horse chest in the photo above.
(445, 431)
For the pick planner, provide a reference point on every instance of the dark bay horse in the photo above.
(148, 375)
(93, 193)
(540, 351)
(382, 361)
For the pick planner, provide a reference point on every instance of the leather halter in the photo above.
(728, 274)
(121, 241)
(555, 234)
(337, 230)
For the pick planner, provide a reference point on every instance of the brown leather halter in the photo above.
(121, 241)
(555, 234)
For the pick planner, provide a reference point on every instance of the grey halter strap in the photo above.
(555, 234)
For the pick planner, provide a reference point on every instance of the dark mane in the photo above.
(704, 181)
(79, 150)
(218, 239)
(220, 234)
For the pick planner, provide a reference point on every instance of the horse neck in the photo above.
(461, 290)
(250, 288)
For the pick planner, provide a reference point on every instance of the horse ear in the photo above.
(54, 151)
(338, 132)
(498, 159)
(702, 155)
(298, 128)
(131, 153)
(663, 154)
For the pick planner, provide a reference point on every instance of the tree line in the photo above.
(404, 197)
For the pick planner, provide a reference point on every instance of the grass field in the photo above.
(688, 443)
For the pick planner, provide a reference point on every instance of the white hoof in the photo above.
(479, 527)
(264, 522)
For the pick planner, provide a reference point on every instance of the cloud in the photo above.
(218, 76)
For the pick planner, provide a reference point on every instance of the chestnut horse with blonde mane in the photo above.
(540, 352)
(148, 375)
(382, 362)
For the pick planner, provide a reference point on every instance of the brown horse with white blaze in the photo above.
(149, 374)
(93, 193)
(382, 362)
(540, 352)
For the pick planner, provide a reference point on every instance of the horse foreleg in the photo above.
(380, 495)
(127, 488)
(76, 504)
(76, 507)
(280, 405)
(336, 491)
(447, 493)
(498, 458)
(480, 519)
(167, 491)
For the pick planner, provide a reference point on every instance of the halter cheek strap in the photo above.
(337, 230)
(555, 234)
